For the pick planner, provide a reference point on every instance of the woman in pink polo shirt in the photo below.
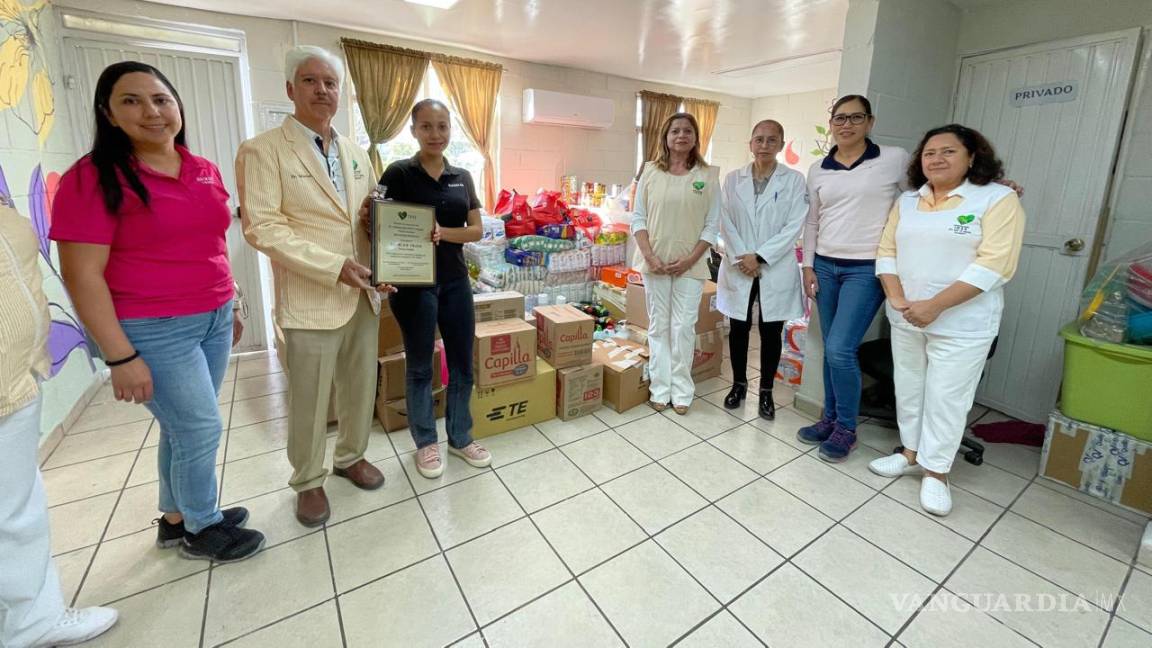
(141, 224)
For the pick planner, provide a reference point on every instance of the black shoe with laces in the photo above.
(736, 395)
(169, 535)
(223, 544)
(767, 406)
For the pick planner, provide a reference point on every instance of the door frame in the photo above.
(133, 31)
(1136, 80)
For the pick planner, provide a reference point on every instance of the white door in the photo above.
(1054, 113)
(209, 87)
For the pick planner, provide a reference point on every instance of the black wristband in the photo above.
(122, 361)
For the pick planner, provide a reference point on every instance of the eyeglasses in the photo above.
(855, 118)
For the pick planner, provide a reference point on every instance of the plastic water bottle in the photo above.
(561, 300)
(543, 300)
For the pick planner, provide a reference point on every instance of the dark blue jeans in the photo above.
(418, 311)
(849, 296)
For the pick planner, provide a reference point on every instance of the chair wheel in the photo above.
(973, 457)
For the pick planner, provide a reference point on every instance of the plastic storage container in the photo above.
(1107, 384)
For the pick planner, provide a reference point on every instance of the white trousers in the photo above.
(936, 378)
(30, 599)
(673, 304)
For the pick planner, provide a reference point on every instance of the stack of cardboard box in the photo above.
(708, 357)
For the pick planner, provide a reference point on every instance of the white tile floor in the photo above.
(635, 529)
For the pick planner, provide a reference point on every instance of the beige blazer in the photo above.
(292, 212)
(24, 315)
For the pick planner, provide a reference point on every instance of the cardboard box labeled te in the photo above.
(510, 406)
(505, 351)
(564, 335)
(579, 391)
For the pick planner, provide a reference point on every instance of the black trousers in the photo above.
(770, 344)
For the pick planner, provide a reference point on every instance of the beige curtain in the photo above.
(473, 88)
(705, 113)
(655, 109)
(387, 80)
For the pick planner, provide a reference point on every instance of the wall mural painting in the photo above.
(65, 333)
(23, 68)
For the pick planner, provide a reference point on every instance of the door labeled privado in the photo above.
(209, 87)
(1054, 113)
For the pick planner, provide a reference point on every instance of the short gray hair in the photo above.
(300, 54)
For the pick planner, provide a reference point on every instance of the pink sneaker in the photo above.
(428, 461)
(474, 454)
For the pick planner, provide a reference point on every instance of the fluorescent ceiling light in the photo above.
(777, 65)
(438, 4)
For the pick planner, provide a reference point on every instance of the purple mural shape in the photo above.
(65, 335)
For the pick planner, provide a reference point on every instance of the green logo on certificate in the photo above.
(965, 219)
(402, 215)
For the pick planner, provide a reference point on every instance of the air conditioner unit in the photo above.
(562, 109)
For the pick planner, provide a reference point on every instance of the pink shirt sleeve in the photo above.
(78, 212)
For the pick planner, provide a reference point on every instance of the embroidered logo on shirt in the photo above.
(698, 186)
(456, 184)
(962, 224)
(356, 172)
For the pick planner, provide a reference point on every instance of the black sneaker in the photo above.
(169, 535)
(223, 544)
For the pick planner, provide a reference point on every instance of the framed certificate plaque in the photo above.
(402, 250)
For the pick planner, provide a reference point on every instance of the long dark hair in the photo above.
(111, 149)
(664, 155)
(986, 167)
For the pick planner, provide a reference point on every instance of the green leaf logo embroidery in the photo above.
(965, 219)
(699, 185)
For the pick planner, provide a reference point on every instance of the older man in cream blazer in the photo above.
(301, 186)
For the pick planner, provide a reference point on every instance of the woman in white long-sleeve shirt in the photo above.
(675, 220)
(946, 252)
(764, 206)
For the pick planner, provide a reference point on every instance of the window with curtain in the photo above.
(640, 133)
(460, 151)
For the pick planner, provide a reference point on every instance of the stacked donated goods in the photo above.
(527, 374)
(1100, 438)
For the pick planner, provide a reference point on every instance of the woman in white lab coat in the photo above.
(764, 206)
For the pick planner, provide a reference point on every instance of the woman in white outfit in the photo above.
(947, 251)
(32, 608)
(675, 220)
(764, 207)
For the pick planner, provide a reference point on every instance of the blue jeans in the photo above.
(418, 311)
(849, 296)
(188, 357)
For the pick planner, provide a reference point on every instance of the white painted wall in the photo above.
(800, 114)
(1036, 21)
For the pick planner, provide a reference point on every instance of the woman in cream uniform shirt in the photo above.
(944, 257)
(675, 221)
(764, 206)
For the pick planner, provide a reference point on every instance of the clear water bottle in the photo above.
(561, 300)
(543, 299)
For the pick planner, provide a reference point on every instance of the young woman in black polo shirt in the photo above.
(428, 179)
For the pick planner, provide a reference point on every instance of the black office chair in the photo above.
(879, 400)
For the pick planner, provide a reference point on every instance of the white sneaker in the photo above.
(77, 626)
(475, 454)
(428, 462)
(935, 496)
(893, 466)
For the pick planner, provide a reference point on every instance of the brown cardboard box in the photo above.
(707, 357)
(564, 335)
(490, 307)
(579, 391)
(625, 372)
(708, 318)
(505, 351)
(1101, 462)
(390, 380)
(393, 415)
(507, 407)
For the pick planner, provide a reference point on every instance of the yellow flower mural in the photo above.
(22, 65)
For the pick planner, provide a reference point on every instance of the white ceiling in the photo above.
(682, 42)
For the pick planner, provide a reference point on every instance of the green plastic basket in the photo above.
(1107, 384)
